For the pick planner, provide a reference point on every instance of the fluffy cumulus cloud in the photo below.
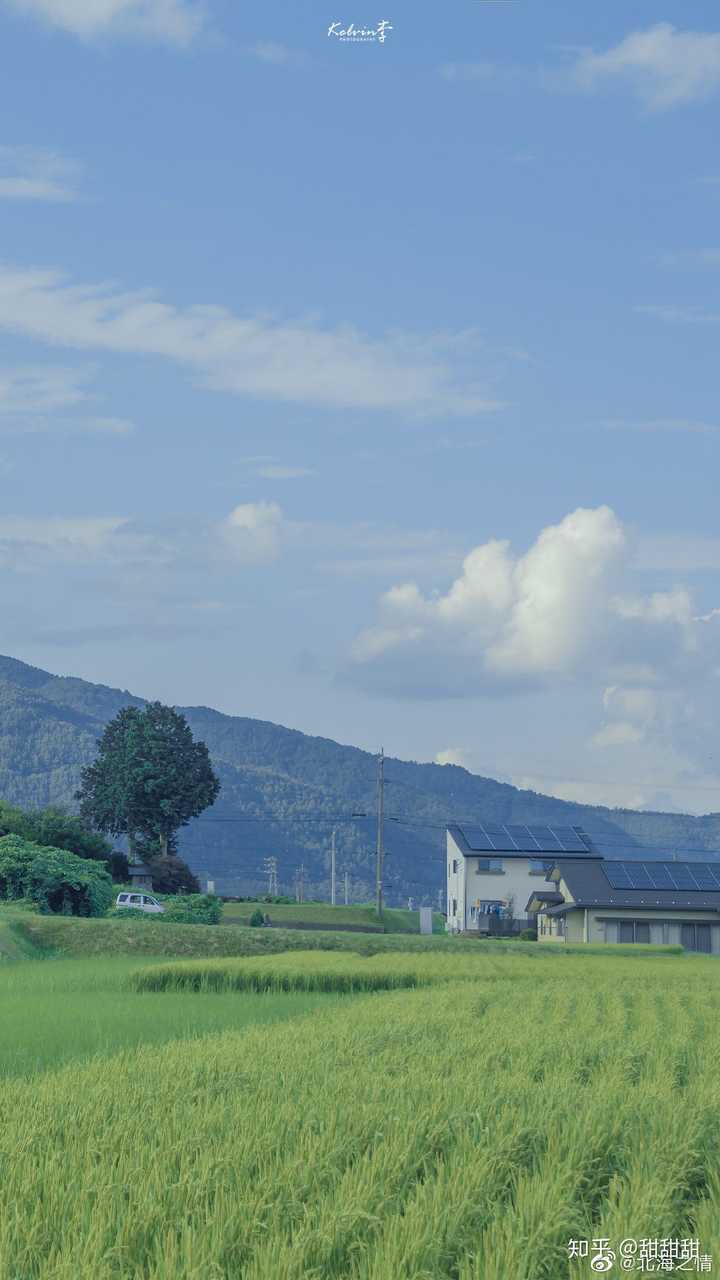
(663, 66)
(253, 531)
(251, 355)
(563, 611)
(170, 21)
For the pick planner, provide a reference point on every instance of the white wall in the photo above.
(469, 885)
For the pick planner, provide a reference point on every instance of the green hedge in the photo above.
(55, 880)
(188, 908)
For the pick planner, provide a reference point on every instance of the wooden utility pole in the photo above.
(380, 847)
(332, 869)
(347, 888)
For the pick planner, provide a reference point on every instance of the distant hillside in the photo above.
(49, 726)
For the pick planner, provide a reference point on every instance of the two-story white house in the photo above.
(492, 870)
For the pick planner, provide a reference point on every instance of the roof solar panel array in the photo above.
(693, 876)
(492, 837)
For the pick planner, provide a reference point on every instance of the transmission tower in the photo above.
(270, 869)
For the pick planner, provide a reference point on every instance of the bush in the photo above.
(53, 879)
(191, 908)
(257, 919)
(172, 875)
(528, 935)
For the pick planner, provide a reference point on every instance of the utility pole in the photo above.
(332, 869)
(270, 869)
(380, 848)
(347, 888)
(410, 904)
(439, 899)
(300, 883)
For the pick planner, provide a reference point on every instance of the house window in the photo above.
(634, 931)
(696, 937)
(490, 906)
(538, 866)
(489, 864)
(454, 910)
(454, 866)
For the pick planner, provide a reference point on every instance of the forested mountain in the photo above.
(49, 726)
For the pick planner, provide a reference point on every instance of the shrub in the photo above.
(191, 908)
(528, 935)
(53, 879)
(257, 919)
(172, 875)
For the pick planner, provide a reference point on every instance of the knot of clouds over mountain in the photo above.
(564, 611)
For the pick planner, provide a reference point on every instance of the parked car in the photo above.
(139, 902)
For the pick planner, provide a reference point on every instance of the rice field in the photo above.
(56, 1011)
(463, 1131)
(343, 972)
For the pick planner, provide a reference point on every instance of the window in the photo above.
(538, 866)
(135, 898)
(454, 866)
(634, 931)
(696, 937)
(454, 910)
(490, 906)
(122, 897)
(489, 864)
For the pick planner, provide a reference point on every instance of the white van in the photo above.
(139, 902)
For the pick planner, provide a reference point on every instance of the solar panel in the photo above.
(690, 877)
(682, 875)
(616, 873)
(569, 839)
(516, 837)
(523, 839)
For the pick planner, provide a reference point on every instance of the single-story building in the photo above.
(491, 869)
(603, 900)
(140, 875)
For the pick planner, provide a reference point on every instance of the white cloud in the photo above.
(169, 21)
(28, 173)
(618, 734)
(561, 612)
(253, 531)
(281, 360)
(30, 541)
(39, 388)
(663, 66)
(452, 755)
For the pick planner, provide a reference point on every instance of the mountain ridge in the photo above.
(284, 790)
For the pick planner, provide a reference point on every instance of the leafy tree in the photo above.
(150, 776)
(172, 875)
(53, 878)
(56, 828)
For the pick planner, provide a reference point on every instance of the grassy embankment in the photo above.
(461, 1133)
(295, 914)
(68, 936)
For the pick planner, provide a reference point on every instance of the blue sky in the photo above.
(370, 387)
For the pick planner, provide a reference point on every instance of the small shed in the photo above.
(140, 876)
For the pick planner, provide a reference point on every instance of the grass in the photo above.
(56, 1010)
(461, 1132)
(319, 971)
(338, 971)
(295, 914)
(139, 937)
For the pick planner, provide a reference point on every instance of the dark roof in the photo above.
(539, 895)
(515, 840)
(589, 886)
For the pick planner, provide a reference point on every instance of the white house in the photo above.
(492, 870)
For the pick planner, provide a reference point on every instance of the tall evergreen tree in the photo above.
(150, 777)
